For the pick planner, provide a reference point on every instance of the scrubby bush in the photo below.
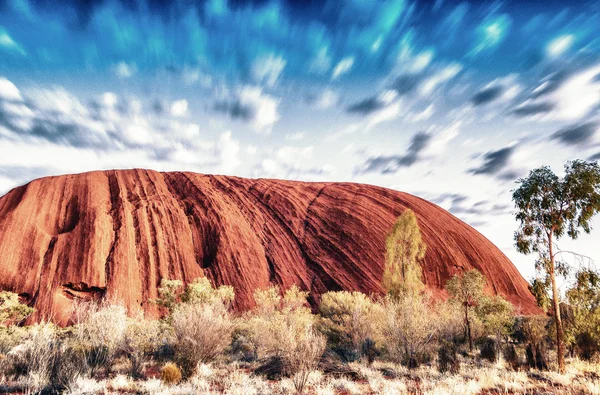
(488, 349)
(411, 328)
(170, 374)
(277, 322)
(44, 361)
(301, 359)
(202, 332)
(201, 323)
(448, 358)
(349, 319)
(32, 360)
(533, 331)
(99, 332)
(142, 337)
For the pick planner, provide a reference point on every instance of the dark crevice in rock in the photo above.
(82, 291)
(115, 212)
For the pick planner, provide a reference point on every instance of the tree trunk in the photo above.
(560, 345)
(468, 326)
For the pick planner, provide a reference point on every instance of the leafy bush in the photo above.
(278, 322)
(348, 319)
(170, 374)
(12, 311)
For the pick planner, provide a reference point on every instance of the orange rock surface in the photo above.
(116, 234)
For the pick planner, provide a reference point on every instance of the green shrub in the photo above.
(12, 311)
(348, 319)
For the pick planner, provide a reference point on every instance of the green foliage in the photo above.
(583, 329)
(467, 291)
(12, 311)
(546, 203)
(496, 314)
(539, 288)
(169, 294)
(547, 208)
(200, 291)
(404, 249)
(349, 319)
(278, 323)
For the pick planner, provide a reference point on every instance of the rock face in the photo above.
(116, 234)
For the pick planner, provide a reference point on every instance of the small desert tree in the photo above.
(411, 328)
(404, 248)
(547, 208)
(467, 290)
(12, 311)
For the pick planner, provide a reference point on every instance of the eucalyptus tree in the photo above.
(548, 208)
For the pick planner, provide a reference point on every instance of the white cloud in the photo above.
(295, 136)
(229, 151)
(6, 41)
(192, 76)
(577, 95)
(294, 155)
(264, 108)
(8, 90)
(179, 108)
(125, 70)
(267, 69)
(326, 99)
(321, 63)
(56, 100)
(560, 45)
(440, 141)
(343, 67)
(422, 115)
(444, 75)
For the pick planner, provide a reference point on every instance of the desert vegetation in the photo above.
(350, 344)
(404, 341)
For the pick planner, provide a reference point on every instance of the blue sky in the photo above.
(451, 101)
